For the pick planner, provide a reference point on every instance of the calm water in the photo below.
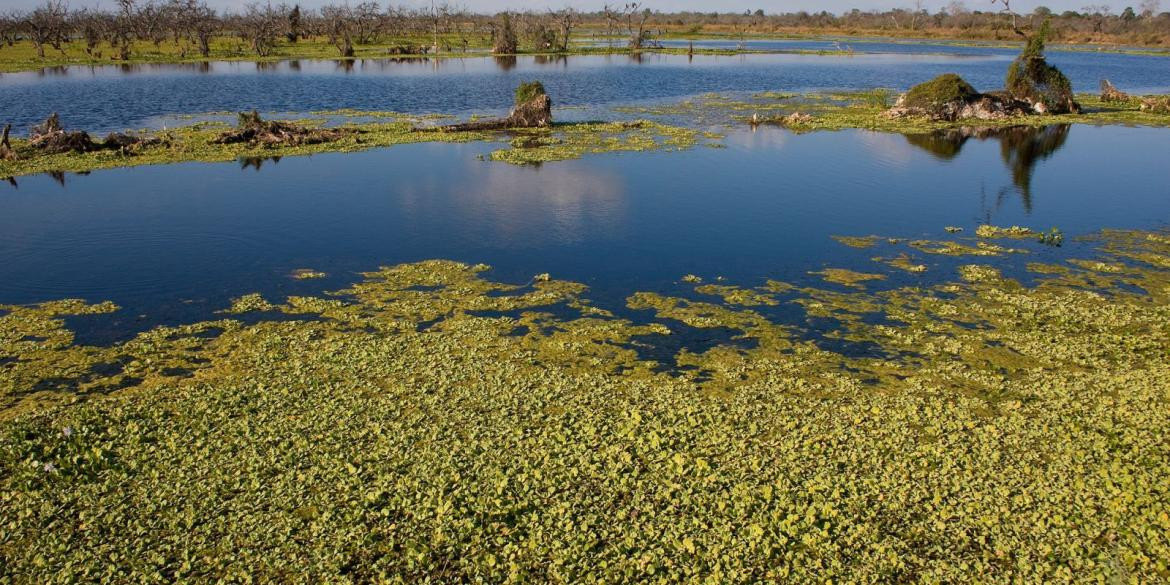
(173, 243)
(116, 98)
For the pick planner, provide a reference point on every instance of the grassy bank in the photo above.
(22, 55)
(430, 423)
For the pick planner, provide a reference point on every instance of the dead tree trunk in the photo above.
(6, 152)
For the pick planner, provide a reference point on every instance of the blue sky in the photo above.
(667, 5)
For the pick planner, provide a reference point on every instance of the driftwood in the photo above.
(253, 130)
(51, 138)
(1110, 93)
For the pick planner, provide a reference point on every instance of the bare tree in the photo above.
(150, 22)
(201, 24)
(566, 19)
(505, 42)
(1007, 9)
(339, 27)
(47, 25)
(611, 23)
(261, 26)
(294, 22)
(122, 33)
(94, 28)
(9, 29)
(636, 18)
(1150, 8)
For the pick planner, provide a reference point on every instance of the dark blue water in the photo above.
(174, 243)
(115, 98)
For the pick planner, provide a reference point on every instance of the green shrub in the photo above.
(943, 89)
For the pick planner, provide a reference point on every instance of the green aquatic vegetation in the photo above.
(249, 303)
(401, 434)
(196, 143)
(1097, 265)
(847, 277)
(307, 274)
(950, 229)
(734, 295)
(858, 242)
(1054, 237)
(991, 231)
(860, 110)
(977, 273)
(952, 248)
(903, 262)
(574, 140)
(692, 279)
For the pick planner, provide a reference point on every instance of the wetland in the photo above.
(678, 335)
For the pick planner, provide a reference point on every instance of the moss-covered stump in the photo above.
(1033, 80)
(948, 98)
(533, 109)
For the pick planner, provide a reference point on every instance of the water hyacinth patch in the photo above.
(990, 431)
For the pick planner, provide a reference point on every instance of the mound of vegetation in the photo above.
(50, 137)
(1030, 78)
(533, 109)
(256, 131)
(1110, 93)
(949, 97)
(940, 91)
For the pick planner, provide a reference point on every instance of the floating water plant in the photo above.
(430, 423)
(307, 274)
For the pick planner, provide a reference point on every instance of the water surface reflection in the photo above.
(1021, 148)
(765, 206)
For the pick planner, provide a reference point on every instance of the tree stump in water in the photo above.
(6, 152)
(533, 110)
(253, 130)
(51, 138)
(1110, 93)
